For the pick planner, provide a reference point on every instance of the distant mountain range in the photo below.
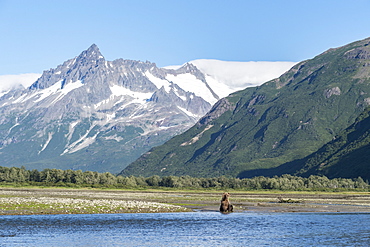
(99, 115)
(311, 120)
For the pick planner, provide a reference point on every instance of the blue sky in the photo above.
(38, 35)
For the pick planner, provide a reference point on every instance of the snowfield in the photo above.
(233, 76)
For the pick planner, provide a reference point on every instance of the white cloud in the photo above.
(8, 82)
(242, 74)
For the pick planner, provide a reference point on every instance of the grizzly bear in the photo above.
(226, 207)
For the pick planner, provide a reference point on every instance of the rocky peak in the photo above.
(92, 53)
(89, 57)
(192, 69)
(71, 70)
(188, 68)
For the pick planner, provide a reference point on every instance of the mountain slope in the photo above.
(264, 127)
(346, 156)
(94, 114)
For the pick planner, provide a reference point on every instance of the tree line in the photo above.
(78, 178)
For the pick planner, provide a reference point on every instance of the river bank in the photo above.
(19, 201)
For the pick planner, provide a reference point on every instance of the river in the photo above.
(187, 229)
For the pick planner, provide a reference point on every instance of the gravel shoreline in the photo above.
(27, 201)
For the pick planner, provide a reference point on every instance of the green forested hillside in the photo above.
(347, 156)
(284, 120)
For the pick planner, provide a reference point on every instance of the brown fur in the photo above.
(225, 206)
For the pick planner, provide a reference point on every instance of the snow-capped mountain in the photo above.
(240, 75)
(92, 114)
